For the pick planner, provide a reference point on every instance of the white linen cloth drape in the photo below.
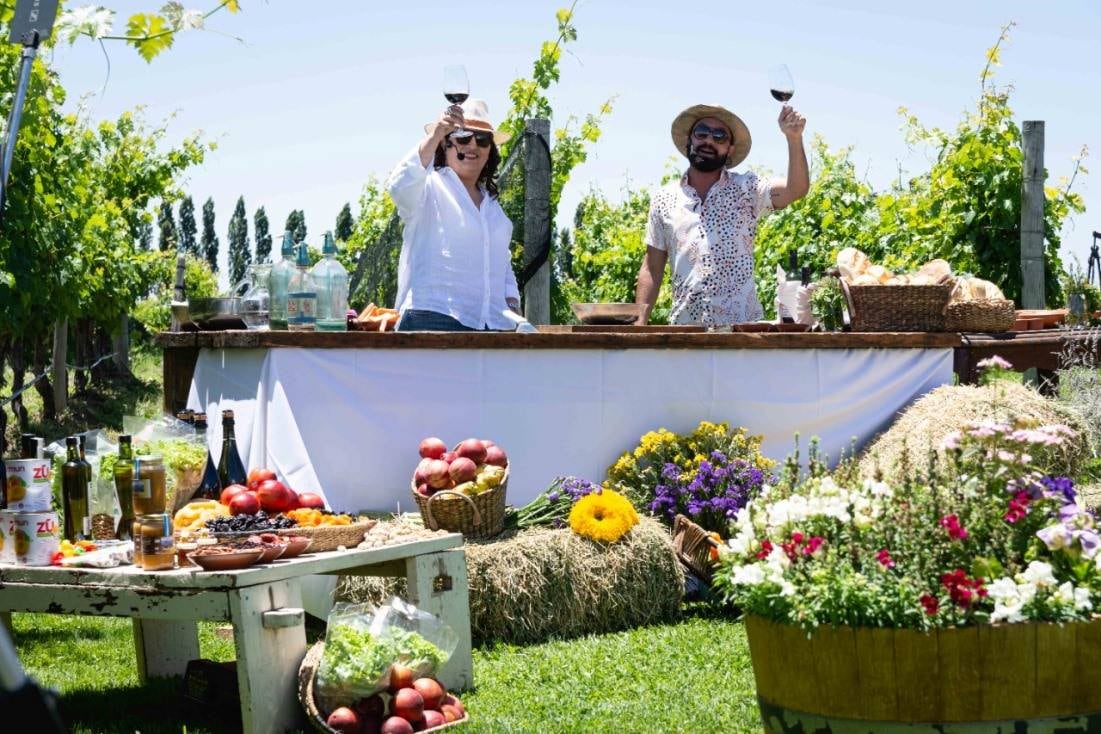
(345, 423)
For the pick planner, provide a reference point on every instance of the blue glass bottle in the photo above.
(301, 295)
(331, 280)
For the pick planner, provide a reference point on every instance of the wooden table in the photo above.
(264, 604)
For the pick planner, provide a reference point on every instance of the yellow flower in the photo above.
(604, 517)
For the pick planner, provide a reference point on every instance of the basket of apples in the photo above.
(462, 490)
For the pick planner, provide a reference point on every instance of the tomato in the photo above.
(257, 476)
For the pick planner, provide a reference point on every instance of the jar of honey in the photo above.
(153, 533)
(149, 485)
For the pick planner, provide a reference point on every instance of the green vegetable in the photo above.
(180, 455)
(415, 652)
(355, 664)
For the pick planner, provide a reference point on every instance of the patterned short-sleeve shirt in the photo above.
(710, 246)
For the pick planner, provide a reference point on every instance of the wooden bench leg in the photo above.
(164, 647)
(5, 620)
(269, 651)
(438, 585)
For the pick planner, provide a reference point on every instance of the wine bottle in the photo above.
(84, 462)
(124, 487)
(74, 494)
(230, 469)
(210, 488)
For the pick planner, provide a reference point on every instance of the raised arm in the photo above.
(797, 183)
(406, 182)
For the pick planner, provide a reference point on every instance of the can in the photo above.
(36, 537)
(7, 537)
(28, 486)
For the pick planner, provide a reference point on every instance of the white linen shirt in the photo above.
(455, 256)
(710, 246)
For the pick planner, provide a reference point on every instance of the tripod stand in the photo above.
(1093, 271)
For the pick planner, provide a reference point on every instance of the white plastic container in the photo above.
(36, 536)
(28, 486)
(7, 537)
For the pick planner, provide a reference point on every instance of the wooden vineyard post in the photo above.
(60, 377)
(537, 224)
(1032, 217)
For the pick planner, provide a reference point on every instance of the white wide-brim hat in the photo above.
(685, 121)
(476, 114)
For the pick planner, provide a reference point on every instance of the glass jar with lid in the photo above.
(149, 485)
(158, 547)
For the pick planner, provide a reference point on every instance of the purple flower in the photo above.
(1060, 488)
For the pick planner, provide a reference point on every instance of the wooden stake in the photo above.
(1032, 217)
(537, 214)
(60, 375)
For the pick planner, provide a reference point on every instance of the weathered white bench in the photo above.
(264, 604)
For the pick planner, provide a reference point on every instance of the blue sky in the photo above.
(321, 96)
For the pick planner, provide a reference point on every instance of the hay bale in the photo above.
(1091, 495)
(541, 583)
(951, 407)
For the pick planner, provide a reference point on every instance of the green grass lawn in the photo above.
(691, 676)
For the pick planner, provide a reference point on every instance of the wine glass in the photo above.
(780, 83)
(456, 86)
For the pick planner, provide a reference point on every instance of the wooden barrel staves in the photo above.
(1034, 678)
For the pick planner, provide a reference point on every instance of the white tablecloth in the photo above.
(346, 423)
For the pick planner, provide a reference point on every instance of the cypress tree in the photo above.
(169, 239)
(344, 224)
(240, 254)
(296, 223)
(263, 236)
(188, 243)
(210, 239)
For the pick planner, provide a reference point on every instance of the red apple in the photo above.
(311, 500)
(432, 448)
(344, 720)
(487, 443)
(400, 677)
(290, 499)
(419, 475)
(273, 496)
(472, 449)
(230, 492)
(396, 725)
(496, 456)
(257, 476)
(431, 691)
(244, 503)
(462, 470)
(433, 718)
(424, 490)
(449, 457)
(436, 474)
(408, 704)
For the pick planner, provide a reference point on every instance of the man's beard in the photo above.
(706, 163)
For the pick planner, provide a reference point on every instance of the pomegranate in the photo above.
(257, 476)
(472, 449)
(230, 492)
(462, 470)
(436, 474)
(408, 704)
(431, 691)
(496, 456)
(424, 490)
(450, 700)
(311, 500)
(344, 720)
(449, 457)
(273, 496)
(432, 448)
(244, 503)
(487, 443)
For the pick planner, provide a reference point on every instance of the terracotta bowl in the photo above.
(226, 561)
(296, 546)
(272, 551)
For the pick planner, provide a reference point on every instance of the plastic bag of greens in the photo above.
(363, 643)
(183, 451)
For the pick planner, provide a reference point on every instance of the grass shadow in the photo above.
(155, 708)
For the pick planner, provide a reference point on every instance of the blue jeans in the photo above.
(418, 320)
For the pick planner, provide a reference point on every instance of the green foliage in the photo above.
(166, 223)
(827, 303)
(154, 311)
(240, 255)
(263, 236)
(188, 229)
(145, 235)
(376, 213)
(210, 237)
(345, 223)
(296, 225)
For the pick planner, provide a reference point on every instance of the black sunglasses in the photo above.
(465, 136)
(718, 134)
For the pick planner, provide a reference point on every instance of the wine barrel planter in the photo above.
(1017, 678)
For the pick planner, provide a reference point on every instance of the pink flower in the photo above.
(1018, 508)
(884, 558)
(930, 603)
(766, 549)
(961, 589)
(995, 362)
(811, 547)
(951, 523)
(952, 440)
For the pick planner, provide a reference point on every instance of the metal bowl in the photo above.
(607, 313)
(204, 309)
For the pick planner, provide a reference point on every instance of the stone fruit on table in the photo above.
(275, 496)
(257, 476)
(431, 691)
(408, 704)
(432, 448)
(230, 492)
(419, 477)
(400, 677)
(496, 456)
(437, 474)
(472, 449)
(311, 500)
(433, 718)
(396, 725)
(455, 703)
(244, 503)
(463, 469)
(344, 720)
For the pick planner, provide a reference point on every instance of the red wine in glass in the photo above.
(456, 97)
(781, 96)
(780, 83)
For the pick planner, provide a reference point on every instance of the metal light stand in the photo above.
(1093, 271)
(30, 50)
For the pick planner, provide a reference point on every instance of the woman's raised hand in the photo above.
(452, 119)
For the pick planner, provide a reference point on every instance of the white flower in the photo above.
(878, 489)
(835, 507)
(828, 488)
(88, 20)
(1007, 613)
(1082, 601)
(1039, 575)
(742, 543)
(778, 561)
(787, 588)
(1008, 601)
(1064, 595)
(748, 575)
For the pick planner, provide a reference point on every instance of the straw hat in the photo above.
(476, 114)
(685, 121)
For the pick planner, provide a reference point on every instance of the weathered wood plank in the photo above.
(450, 602)
(960, 674)
(132, 578)
(178, 369)
(1056, 677)
(1032, 216)
(164, 647)
(537, 217)
(916, 671)
(876, 663)
(1009, 673)
(113, 601)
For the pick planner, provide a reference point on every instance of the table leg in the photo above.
(269, 652)
(164, 647)
(449, 600)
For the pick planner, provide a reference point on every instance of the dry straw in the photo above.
(949, 408)
(541, 583)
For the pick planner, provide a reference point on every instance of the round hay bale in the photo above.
(541, 583)
(949, 408)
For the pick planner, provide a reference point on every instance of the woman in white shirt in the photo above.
(455, 271)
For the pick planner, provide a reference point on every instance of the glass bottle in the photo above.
(230, 469)
(210, 488)
(74, 494)
(256, 302)
(28, 446)
(84, 461)
(124, 486)
(301, 295)
(331, 280)
(278, 280)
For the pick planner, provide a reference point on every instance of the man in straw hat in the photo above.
(454, 272)
(704, 224)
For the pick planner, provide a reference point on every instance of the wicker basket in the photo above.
(985, 315)
(307, 672)
(475, 516)
(896, 307)
(331, 537)
(693, 546)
